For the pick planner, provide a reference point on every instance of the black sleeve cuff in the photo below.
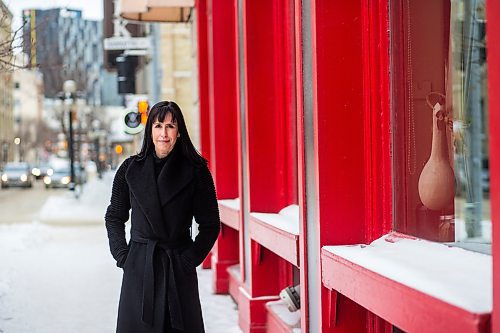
(121, 260)
(190, 255)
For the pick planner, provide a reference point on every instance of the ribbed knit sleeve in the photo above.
(206, 214)
(117, 214)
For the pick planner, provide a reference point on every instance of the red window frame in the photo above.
(339, 314)
(493, 33)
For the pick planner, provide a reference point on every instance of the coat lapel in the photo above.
(142, 183)
(175, 175)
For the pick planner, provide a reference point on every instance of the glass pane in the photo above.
(440, 117)
(470, 122)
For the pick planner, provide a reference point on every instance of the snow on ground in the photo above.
(87, 209)
(56, 279)
(219, 311)
(61, 278)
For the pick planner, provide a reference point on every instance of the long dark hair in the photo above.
(158, 112)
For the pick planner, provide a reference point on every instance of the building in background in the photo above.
(176, 68)
(65, 46)
(162, 70)
(29, 124)
(6, 91)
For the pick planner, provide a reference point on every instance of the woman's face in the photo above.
(164, 135)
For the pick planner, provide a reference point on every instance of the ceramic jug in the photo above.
(436, 185)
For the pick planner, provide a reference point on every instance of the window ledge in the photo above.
(234, 271)
(278, 232)
(229, 210)
(280, 319)
(440, 286)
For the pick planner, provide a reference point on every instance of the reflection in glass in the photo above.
(440, 121)
(470, 124)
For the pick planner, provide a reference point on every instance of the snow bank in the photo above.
(89, 208)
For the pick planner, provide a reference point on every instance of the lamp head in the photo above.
(69, 87)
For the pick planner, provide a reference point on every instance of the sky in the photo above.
(91, 9)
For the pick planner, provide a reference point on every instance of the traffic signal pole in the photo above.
(71, 151)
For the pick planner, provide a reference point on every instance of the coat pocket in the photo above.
(126, 257)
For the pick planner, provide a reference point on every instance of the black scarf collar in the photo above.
(150, 193)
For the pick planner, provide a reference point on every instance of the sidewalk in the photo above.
(56, 278)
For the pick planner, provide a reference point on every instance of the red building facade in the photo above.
(321, 120)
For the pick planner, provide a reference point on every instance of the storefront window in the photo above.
(440, 118)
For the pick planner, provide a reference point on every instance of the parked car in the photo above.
(61, 177)
(17, 174)
(42, 170)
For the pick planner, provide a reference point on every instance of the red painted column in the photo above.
(203, 89)
(270, 119)
(493, 47)
(222, 66)
(270, 108)
(222, 96)
(339, 143)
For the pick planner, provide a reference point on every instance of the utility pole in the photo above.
(69, 88)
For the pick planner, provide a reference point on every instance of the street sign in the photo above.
(127, 43)
(132, 122)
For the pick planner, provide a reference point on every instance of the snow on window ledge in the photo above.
(231, 203)
(279, 308)
(451, 274)
(287, 219)
(235, 271)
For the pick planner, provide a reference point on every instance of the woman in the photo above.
(165, 186)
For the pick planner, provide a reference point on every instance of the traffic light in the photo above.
(126, 66)
(142, 108)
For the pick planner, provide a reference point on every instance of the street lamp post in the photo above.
(69, 88)
(96, 136)
(17, 142)
(5, 153)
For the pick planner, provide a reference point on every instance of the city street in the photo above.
(20, 205)
(333, 165)
(60, 277)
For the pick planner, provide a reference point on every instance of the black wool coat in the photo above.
(160, 286)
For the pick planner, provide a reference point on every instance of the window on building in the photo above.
(440, 117)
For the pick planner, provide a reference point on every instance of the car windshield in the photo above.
(15, 167)
(62, 170)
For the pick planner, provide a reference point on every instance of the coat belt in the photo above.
(148, 291)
